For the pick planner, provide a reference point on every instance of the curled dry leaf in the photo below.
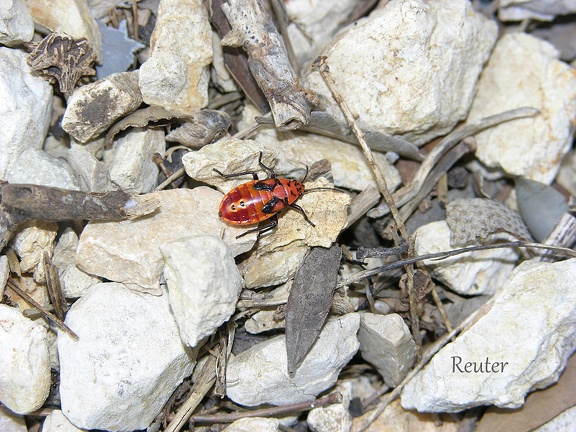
(474, 218)
(201, 128)
(61, 58)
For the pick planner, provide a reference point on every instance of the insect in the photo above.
(260, 200)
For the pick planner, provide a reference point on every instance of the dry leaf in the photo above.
(474, 218)
(309, 302)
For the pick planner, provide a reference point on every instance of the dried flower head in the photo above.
(61, 58)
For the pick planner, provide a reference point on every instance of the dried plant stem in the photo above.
(202, 386)
(267, 412)
(14, 286)
(357, 277)
(324, 70)
(368, 418)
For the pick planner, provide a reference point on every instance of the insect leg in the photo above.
(301, 210)
(240, 174)
(262, 229)
(269, 170)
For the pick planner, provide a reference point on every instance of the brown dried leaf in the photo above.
(309, 302)
(540, 407)
(474, 218)
(61, 58)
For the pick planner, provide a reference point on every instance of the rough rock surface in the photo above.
(57, 422)
(203, 285)
(251, 424)
(129, 251)
(521, 344)
(16, 24)
(127, 362)
(176, 75)
(25, 109)
(259, 375)
(24, 362)
(524, 71)
(415, 75)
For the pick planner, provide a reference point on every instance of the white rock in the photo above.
(259, 375)
(91, 173)
(203, 285)
(25, 110)
(415, 75)
(386, 342)
(567, 175)
(251, 424)
(10, 422)
(130, 162)
(525, 71)
(127, 362)
(33, 239)
(536, 307)
(263, 321)
(128, 251)
(176, 75)
(57, 422)
(4, 273)
(25, 379)
(16, 24)
(541, 10)
(68, 16)
(35, 166)
(93, 108)
(72, 280)
(333, 418)
(314, 23)
(480, 272)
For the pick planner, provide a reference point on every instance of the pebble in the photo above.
(386, 343)
(524, 71)
(33, 239)
(203, 285)
(404, 81)
(127, 362)
(68, 16)
(480, 272)
(4, 273)
(10, 422)
(91, 173)
(93, 108)
(24, 362)
(128, 251)
(16, 24)
(259, 375)
(483, 366)
(130, 164)
(332, 418)
(25, 127)
(176, 75)
(74, 282)
(35, 166)
(57, 422)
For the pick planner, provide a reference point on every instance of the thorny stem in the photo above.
(267, 412)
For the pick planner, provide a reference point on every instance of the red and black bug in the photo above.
(259, 200)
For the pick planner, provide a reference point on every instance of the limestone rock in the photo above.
(93, 108)
(16, 24)
(24, 362)
(33, 239)
(129, 251)
(415, 75)
(203, 285)
(480, 272)
(176, 75)
(25, 110)
(91, 173)
(259, 375)
(130, 164)
(250, 424)
(525, 71)
(126, 363)
(11, 422)
(332, 418)
(484, 365)
(386, 342)
(56, 422)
